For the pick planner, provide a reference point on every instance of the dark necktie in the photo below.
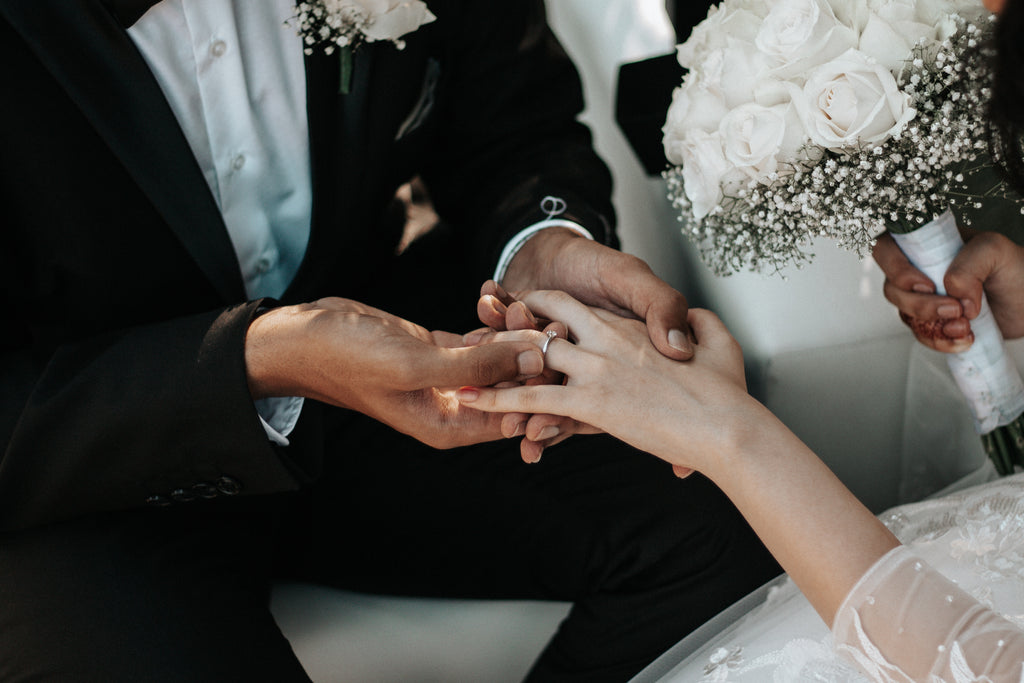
(129, 11)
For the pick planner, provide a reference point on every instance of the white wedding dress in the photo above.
(974, 540)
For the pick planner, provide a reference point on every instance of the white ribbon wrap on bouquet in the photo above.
(984, 372)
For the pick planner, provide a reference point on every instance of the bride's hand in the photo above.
(688, 414)
(988, 262)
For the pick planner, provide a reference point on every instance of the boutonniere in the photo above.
(344, 25)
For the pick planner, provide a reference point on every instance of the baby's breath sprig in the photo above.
(331, 29)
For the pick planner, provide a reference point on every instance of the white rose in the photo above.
(797, 35)
(704, 168)
(890, 30)
(852, 100)
(756, 138)
(385, 19)
(850, 13)
(734, 73)
(693, 107)
(891, 43)
(730, 23)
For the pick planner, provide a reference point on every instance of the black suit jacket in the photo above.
(123, 377)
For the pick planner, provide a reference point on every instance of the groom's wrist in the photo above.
(535, 256)
(530, 242)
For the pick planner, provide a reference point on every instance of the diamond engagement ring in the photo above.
(544, 348)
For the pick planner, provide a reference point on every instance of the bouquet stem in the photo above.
(984, 373)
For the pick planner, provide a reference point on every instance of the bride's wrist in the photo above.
(741, 438)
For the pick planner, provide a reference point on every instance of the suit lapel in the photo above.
(343, 130)
(86, 49)
(337, 144)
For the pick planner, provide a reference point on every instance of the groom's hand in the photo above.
(351, 355)
(560, 259)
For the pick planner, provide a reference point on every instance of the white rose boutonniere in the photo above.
(343, 25)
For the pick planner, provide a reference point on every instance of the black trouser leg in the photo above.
(175, 595)
(645, 556)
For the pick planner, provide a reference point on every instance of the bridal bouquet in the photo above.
(842, 119)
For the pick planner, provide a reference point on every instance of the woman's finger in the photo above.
(531, 450)
(709, 329)
(922, 305)
(897, 267)
(579, 319)
(543, 398)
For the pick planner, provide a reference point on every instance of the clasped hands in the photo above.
(351, 355)
(988, 262)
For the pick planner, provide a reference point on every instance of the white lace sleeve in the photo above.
(906, 623)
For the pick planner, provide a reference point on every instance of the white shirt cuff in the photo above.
(517, 242)
(279, 416)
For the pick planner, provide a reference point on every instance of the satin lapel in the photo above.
(337, 143)
(354, 112)
(85, 48)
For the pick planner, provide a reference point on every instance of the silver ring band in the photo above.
(544, 348)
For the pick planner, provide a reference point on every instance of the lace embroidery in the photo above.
(799, 661)
(722, 658)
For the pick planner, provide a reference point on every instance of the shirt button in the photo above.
(263, 266)
(238, 162)
(218, 48)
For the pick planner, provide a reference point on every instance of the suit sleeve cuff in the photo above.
(519, 239)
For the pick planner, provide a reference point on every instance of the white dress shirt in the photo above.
(234, 75)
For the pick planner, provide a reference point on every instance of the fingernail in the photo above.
(467, 394)
(956, 329)
(678, 340)
(923, 288)
(948, 311)
(537, 458)
(530, 317)
(970, 310)
(531, 363)
(549, 432)
(517, 430)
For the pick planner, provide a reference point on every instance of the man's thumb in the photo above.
(485, 365)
